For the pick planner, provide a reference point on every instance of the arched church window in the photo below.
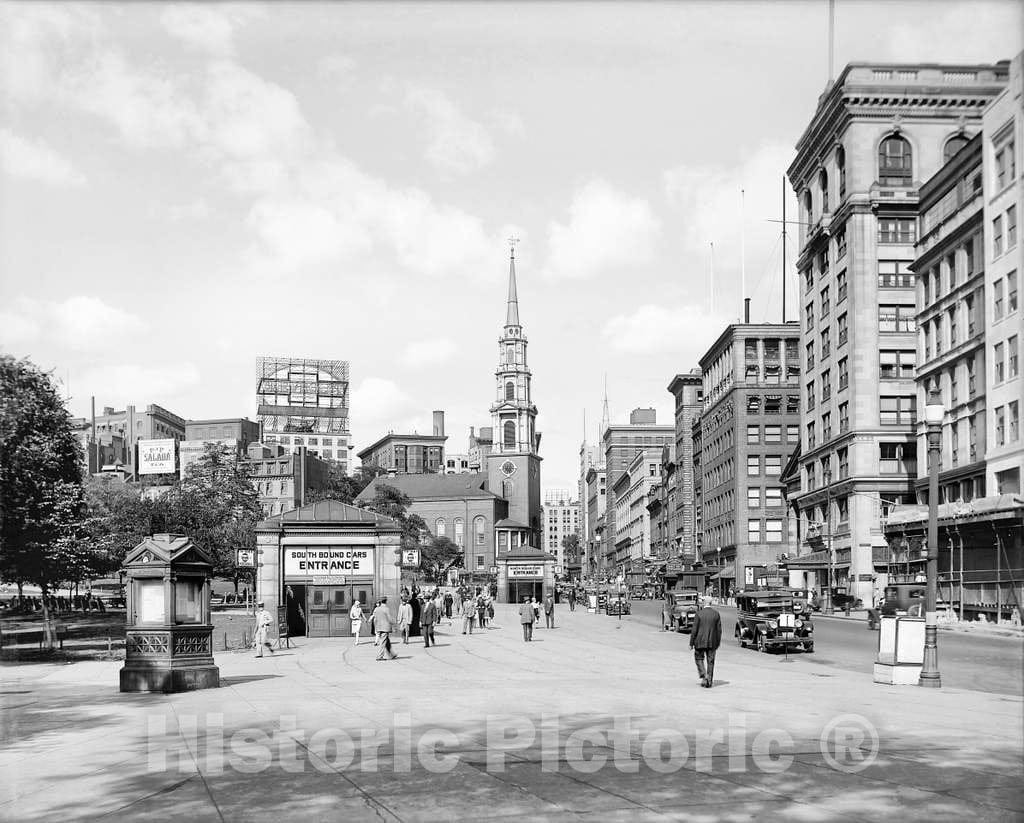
(459, 536)
(480, 530)
(439, 527)
(509, 430)
(510, 390)
(510, 354)
(506, 489)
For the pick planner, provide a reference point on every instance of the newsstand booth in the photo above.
(315, 561)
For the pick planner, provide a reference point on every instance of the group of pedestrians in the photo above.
(529, 613)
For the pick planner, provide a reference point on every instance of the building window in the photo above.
(773, 498)
(997, 236)
(439, 527)
(460, 537)
(840, 244)
(773, 404)
(810, 315)
(826, 384)
(843, 509)
(509, 430)
(897, 410)
(773, 531)
(1000, 426)
(825, 304)
(480, 530)
(753, 465)
(753, 531)
(826, 347)
(753, 404)
(841, 330)
(1012, 357)
(753, 435)
(792, 404)
(1011, 292)
(773, 465)
(897, 230)
(772, 434)
(896, 318)
(997, 299)
(953, 145)
(895, 274)
(754, 498)
(811, 442)
(971, 377)
(1005, 165)
(792, 433)
(843, 456)
(841, 168)
(1011, 227)
(510, 390)
(894, 161)
(897, 364)
(897, 458)
(953, 327)
(810, 355)
(808, 279)
(1014, 421)
(999, 362)
(826, 427)
(841, 286)
(479, 561)
(823, 186)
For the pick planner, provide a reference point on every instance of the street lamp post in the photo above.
(718, 562)
(933, 414)
(827, 477)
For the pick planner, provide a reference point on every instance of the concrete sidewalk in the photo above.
(599, 719)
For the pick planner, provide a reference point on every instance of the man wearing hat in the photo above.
(705, 638)
(382, 626)
(263, 623)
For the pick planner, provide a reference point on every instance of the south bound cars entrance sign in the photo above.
(327, 562)
(532, 571)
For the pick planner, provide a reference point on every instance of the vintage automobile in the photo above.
(767, 619)
(679, 609)
(618, 605)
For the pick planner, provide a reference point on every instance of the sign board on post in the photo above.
(494, 569)
(156, 456)
(245, 558)
(410, 558)
(282, 626)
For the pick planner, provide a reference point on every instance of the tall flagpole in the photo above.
(711, 288)
(783, 248)
(743, 250)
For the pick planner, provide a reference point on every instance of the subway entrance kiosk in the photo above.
(314, 562)
(526, 572)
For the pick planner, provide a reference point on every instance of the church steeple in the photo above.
(513, 413)
(512, 314)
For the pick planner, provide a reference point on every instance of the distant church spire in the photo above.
(605, 419)
(512, 315)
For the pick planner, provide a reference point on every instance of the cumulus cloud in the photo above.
(123, 383)
(429, 352)
(78, 323)
(209, 28)
(34, 160)
(378, 406)
(606, 230)
(685, 330)
(455, 142)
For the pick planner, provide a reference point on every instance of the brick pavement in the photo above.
(598, 719)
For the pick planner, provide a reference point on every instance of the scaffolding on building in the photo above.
(298, 394)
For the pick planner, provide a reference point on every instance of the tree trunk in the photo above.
(49, 636)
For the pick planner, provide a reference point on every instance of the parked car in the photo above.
(618, 605)
(679, 610)
(767, 620)
(844, 602)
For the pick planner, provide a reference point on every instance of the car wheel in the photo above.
(739, 638)
(761, 645)
(809, 648)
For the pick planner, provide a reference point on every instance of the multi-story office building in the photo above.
(115, 434)
(304, 403)
(284, 480)
(597, 499)
(688, 393)
(622, 444)
(748, 427)
(878, 133)
(561, 519)
(409, 453)
(1002, 166)
(634, 491)
(234, 434)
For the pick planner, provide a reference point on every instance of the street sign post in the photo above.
(245, 558)
(410, 558)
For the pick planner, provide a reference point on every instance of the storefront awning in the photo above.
(728, 572)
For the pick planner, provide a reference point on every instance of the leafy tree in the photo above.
(343, 487)
(41, 501)
(438, 556)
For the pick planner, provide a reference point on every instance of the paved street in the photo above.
(595, 720)
(985, 660)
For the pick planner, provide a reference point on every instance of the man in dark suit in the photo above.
(705, 638)
(428, 617)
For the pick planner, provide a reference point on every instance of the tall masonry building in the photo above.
(879, 132)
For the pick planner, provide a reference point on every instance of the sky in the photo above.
(185, 188)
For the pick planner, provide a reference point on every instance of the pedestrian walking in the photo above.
(527, 617)
(572, 600)
(549, 612)
(468, 614)
(448, 602)
(705, 638)
(382, 626)
(261, 637)
(428, 617)
(355, 614)
(536, 609)
(481, 609)
(405, 618)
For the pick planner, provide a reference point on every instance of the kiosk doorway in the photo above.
(327, 609)
(518, 589)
